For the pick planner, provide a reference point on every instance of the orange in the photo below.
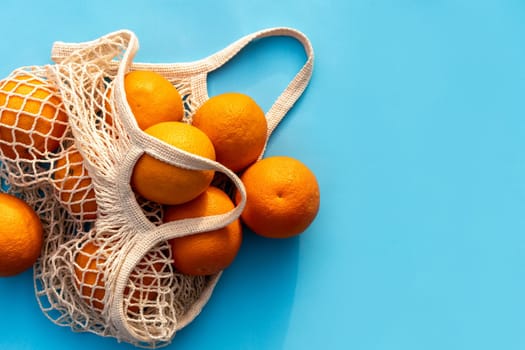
(107, 112)
(21, 235)
(74, 185)
(237, 127)
(32, 120)
(163, 183)
(282, 197)
(90, 279)
(152, 98)
(208, 252)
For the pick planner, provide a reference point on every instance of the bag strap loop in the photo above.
(199, 69)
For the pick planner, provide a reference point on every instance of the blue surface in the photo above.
(414, 124)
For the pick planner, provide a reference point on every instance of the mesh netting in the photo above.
(69, 143)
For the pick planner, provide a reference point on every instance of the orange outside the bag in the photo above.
(30, 117)
(282, 197)
(21, 235)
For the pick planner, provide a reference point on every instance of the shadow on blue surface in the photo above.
(264, 275)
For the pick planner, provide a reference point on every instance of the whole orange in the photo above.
(152, 98)
(74, 185)
(21, 235)
(91, 282)
(282, 197)
(236, 126)
(32, 120)
(163, 183)
(208, 252)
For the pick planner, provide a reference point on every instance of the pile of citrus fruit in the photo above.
(282, 193)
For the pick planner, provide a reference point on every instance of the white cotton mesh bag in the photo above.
(106, 265)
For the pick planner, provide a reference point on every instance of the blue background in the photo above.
(414, 125)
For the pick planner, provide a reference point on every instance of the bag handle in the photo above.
(198, 70)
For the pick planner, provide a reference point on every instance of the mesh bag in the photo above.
(106, 266)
